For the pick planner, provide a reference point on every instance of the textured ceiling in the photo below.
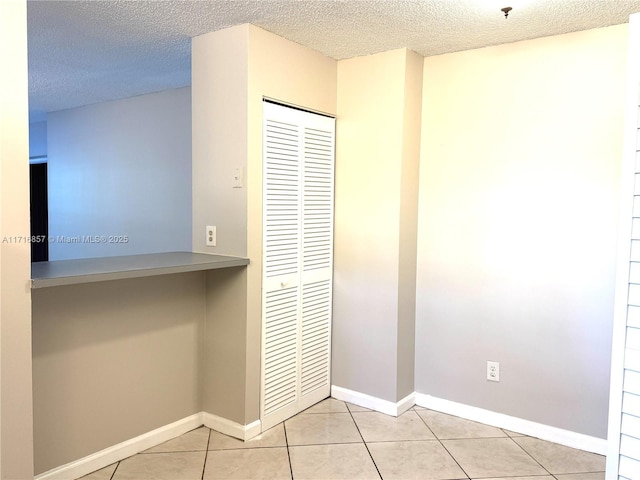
(83, 52)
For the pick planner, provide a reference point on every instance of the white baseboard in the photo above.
(118, 452)
(514, 424)
(233, 429)
(108, 456)
(374, 403)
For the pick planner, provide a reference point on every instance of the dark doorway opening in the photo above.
(39, 212)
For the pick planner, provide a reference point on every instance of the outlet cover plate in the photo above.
(211, 237)
(493, 371)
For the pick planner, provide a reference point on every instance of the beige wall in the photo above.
(219, 117)
(409, 224)
(376, 197)
(113, 360)
(519, 175)
(219, 132)
(232, 70)
(224, 350)
(16, 435)
(219, 136)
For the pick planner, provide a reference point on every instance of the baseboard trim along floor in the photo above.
(230, 428)
(514, 424)
(155, 437)
(122, 450)
(373, 403)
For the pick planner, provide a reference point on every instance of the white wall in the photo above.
(519, 175)
(121, 168)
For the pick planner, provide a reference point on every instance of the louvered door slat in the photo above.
(631, 382)
(316, 319)
(629, 467)
(630, 425)
(631, 404)
(317, 214)
(282, 198)
(280, 352)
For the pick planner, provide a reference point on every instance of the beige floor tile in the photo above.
(535, 477)
(378, 427)
(560, 459)
(419, 460)
(332, 462)
(322, 428)
(329, 445)
(581, 476)
(162, 466)
(192, 441)
(329, 405)
(492, 457)
(248, 464)
(357, 408)
(102, 474)
(449, 427)
(513, 434)
(274, 437)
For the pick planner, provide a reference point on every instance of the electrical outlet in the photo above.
(493, 371)
(211, 236)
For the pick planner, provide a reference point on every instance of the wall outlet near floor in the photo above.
(211, 236)
(493, 371)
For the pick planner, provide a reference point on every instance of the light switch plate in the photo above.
(237, 178)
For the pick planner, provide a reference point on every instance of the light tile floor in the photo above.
(336, 440)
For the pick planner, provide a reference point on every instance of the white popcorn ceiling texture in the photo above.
(83, 52)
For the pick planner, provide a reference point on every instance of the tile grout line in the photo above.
(440, 442)
(433, 439)
(532, 457)
(206, 454)
(241, 449)
(286, 441)
(115, 470)
(363, 440)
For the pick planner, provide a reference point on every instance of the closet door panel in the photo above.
(298, 176)
(317, 259)
(281, 269)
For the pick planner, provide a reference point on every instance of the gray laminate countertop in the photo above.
(86, 270)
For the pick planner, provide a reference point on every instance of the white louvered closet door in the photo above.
(298, 173)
